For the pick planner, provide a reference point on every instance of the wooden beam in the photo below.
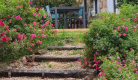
(48, 58)
(49, 73)
(64, 47)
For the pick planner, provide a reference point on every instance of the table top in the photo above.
(66, 9)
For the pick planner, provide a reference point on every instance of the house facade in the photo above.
(97, 6)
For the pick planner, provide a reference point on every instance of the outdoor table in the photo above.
(67, 10)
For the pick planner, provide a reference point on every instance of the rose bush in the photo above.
(114, 33)
(21, 29)
(115, 69)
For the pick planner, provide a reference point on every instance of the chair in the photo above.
(78, 18)
(52, 15)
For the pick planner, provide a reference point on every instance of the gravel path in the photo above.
(64, 53)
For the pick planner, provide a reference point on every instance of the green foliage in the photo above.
(128, 1)
(23, 31)
(114, 33)
(113, 68)
(52, 3)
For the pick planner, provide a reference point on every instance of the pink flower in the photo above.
(42, 26)
(115, 50)
(84, 58)
(114, 30)
(100, 74)
(135, 19)
(45, 24)
(96, 53)
(4, 39)
(34, 23)
(10, 21)
(97, 34)
(135, 69)
(118, 57)
(130, 48)
(31, 49)
(48, 22)
(91, 26)
(9, 16)
(30, 2)
(133, 23)
(46, 35)
(39, 36)
(20, 37)
(43, 35)
(52, 25)
(55, 33)
(126, 28)
(17, 7)
(123, 27)
(25, 25)
(36, 9)
(1, 23)
(6, 28)
(124, 34)
(32, 45)
(39, 14)
(15, 30)
(89, 65)
(32, 36)
(102, 69)
(34, 14)
(18, 17)
(27, 11)
(21, 6)
(85, 62)
(44, 15)
(39, 42)
(41, 7)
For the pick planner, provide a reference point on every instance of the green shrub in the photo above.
(115, 69)
(21, 29)
(109, 36)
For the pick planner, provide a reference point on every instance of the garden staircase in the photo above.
(51, 74)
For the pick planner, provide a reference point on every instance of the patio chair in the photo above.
(78, 18)
(52, 15)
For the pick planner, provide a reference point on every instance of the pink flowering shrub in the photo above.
(112, 34)
(115, 69)
(20, 29)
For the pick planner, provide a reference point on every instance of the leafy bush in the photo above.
(110, 35)
(21, 29)
(115, 69)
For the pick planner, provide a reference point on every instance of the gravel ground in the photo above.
(63, 53)
(48, 65)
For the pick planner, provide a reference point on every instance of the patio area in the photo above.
(67, 16)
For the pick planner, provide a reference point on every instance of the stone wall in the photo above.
(104, 5)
